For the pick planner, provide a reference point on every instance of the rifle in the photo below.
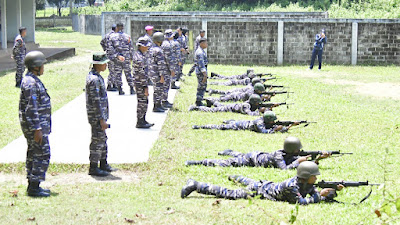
(270, 104)
(334, 184)
(273, 86)
(288, 123)
(275, 92)
(314, 154)
(269, 78)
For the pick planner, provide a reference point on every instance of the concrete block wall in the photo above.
(53, 21)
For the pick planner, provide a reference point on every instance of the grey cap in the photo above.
(35, 59)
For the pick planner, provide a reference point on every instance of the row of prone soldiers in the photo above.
(254, 100)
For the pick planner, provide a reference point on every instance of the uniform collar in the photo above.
(94, 72)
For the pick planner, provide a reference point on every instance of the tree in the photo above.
(91, 2)
(40, 4)
(59, 4)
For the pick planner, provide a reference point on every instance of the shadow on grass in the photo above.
(3, 73)
(55, 29)
(107, 178)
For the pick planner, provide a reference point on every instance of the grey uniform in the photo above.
(243, 108)
(201, 67)
(97, 109)
(158, 68)
(35, 114)
(196, 46)
(141, 82)
(233, 82)
(105, 42)
(171, 63)
(234, 96)
(19, 52)
(121, 45)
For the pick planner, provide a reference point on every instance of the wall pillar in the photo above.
(204, 27)
(3, 24)
(18, 13)
(354, 47)
(128, 27)
(280, 43)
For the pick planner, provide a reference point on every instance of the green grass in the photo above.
(64, 79)
(347, 121)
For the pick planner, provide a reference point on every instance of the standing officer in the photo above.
(201, 71)
(197, 45)
(158, 71)
(111, 86)
(177, 50)
(35, 119)
(149, 35)
(182, 39)
(120, 52)
(97, 111)
(293, 190)
(170, 60)
(320, 41)
(18, 54)
(141, 81)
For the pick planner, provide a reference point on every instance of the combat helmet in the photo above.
(291, 145)
(259, 88)
(269, 116)
(255, 80)
(254, 99)
(158, 37)
(35, 59)
(307, 169)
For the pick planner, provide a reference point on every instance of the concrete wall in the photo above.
(87, 24)
(53, 21)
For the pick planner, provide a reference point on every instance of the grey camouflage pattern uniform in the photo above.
(278, 159)
(148, 53)
(248, 88)
(158, 67)
(234, 77)
(243, 108)
(290, 190)
(97, 109)
(196, 46)
(105, 43)
(201, 66)
(121, 45)
(233, 82)
(178, 56)
(234, 96)
(19, 53)
(170, 60)
(257, 125)
(35, 114)
(141, 82)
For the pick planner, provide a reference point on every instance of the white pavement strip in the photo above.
(70, 137)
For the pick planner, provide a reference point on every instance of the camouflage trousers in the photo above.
(143, 102)
(20, 68)
(158, 90)
(252, 189)
(166, 87)
(98, 144)
(111, 76)
(37, 157)
(230, 125)
(201, 87)
(251, 159)
(218, 108)
(125, 67)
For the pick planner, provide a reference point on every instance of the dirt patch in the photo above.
(71, 178)
(380, 90)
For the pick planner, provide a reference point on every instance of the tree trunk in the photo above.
(59, 11)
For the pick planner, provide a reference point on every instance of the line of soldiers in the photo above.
(253, 100)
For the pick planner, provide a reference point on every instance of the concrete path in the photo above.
(70, 139)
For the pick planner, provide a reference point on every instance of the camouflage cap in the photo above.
(269, 116)
(143, 41)
(99, 58)
(168, 33)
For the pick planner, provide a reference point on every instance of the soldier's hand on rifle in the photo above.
(262, 109)
(38, 136)
(303, 158)
(146, 92)
(162, 79)
(278, 128)
(276, 105)
(324, 192)
(121, 58)
(340, 187)
(324, 155)
(103, 125)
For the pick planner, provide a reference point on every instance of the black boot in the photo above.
(193, 163)
(213, 74)
(191, 185)
(111, 88)
(158, 108)
(142, 123)
(144, 118)
(18, 84)
(35, 191)
(167, 104)
(196, 127)
(132, 91)
(94, 170)
(106, 167)
(199, 103)
(120, 91)
(209, 103)
(173, 86)
(225, 152)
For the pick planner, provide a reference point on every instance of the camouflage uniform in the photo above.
(158, 67)
(141, 82)
(178, 56)
(121, 45)
(105, 42)
(196, 46)
(233, 82)
(243, 108)
(234, 96)
(148, 61)
(257, 125)
(19, 52)
(290, 190)
(234, 77)
(249, 88)
(97, 109)
(182, 39)
(278, 159)
(35, 114)
(170, 60)
(201, 66)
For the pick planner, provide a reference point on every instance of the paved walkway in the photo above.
(70, 139)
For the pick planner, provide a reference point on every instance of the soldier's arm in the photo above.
(315, 197)
(139, 70)
(103, 44)
(112, 52)
(31, 110)
(248, 111)
(17, 47)
(160, 63)
(94, 94)
(201, 63)
(281, 163)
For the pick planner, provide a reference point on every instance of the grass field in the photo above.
(348, 120)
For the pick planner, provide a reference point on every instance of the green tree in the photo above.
(40, 4)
